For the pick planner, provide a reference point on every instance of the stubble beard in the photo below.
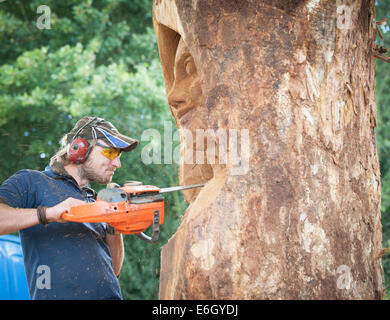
(89, 173)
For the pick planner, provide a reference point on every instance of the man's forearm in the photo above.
(15, 219)
(115, 244)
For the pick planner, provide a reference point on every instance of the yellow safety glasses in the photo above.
(110, 153)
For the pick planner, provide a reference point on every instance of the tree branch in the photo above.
(382, 57)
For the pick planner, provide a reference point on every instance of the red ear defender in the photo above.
(78, 151)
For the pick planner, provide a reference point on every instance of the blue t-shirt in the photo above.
(65, 260)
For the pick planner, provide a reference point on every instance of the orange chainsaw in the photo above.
(130, 209)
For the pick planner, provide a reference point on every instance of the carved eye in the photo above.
(190, 66)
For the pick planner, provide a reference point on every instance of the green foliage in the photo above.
(114, 23)
(99, 58)
(383, 131)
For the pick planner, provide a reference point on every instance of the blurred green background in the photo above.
(100, 58)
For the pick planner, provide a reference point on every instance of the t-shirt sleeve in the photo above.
(18, 191)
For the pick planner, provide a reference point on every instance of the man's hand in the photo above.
(53, 214)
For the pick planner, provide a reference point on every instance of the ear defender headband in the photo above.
(79, 148)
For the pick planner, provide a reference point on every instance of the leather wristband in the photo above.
(41, 212)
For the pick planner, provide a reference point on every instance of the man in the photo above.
(67, 260)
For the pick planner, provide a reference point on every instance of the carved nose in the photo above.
(175, 98)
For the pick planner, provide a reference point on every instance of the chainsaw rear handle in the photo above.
(155, 228)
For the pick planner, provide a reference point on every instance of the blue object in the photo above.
(13, 281)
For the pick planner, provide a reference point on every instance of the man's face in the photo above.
(98, 168)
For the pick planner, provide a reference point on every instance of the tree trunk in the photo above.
(302, 221)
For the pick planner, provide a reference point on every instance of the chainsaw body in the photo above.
(129, 209)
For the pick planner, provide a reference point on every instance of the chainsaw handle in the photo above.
(146, 238)
(156, 230)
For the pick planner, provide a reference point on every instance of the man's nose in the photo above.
(116, 162)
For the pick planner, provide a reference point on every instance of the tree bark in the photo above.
(303, 222)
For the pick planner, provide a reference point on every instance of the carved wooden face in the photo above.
(187, 102)
(185, 97)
